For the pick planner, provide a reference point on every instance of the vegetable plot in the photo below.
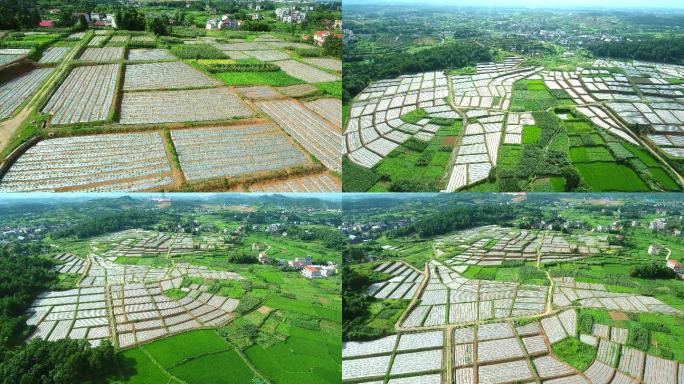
(117, 162)
(182, 106)
(86, 95)
(234, 151)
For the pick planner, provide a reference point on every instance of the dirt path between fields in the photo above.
(9, 127)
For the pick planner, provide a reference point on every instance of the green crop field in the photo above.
(322, 356)
(276, 79)
(223, 367)
(171, 351)
(531, 134)
(622, 178)
(424, 167)
(190, 357)
(533, 95)
(590, 154)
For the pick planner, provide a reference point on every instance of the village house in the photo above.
(657, 225)
(46, 24)
(263, 258)
(225, 22)
(290, 15)
(653, 249)
(299, 262)
(318, 271)
(674, 264)
(321, 36)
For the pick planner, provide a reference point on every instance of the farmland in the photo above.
(99, 162)
(175, 304)
(180, 106)
(530, 106)
(73, 104)
(195, 153)
(98, 83)
(530, 299)
(317, 135)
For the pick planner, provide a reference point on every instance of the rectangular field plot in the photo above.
(259, 92)
(117, 162)
(330, 109)
(149, 54)
(365, 368)
(305, 72)
(409, 341)
(309, 183)
(182, 106)
(54, 55)
(166, 75)
(374, 347)
(233, 151)
(496, 350)
(268, 55)
(511, 372)
(417, 362)
(102, 54)
(327, 63)
(14, 92)
(86, 95)
(315, 134)
(8, 58)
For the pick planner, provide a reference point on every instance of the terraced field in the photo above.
(140, 311)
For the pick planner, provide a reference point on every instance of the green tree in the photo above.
(158, 25)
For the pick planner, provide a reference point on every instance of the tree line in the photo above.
(22, 278)
(663, 50)
(358, 74)
(455, 219)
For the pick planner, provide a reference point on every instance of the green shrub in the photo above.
(309, 52)
(415, 144)
(356, 178)
(586, 323)
(639, 338)
(197, 51)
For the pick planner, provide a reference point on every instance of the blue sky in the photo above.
(543, 3)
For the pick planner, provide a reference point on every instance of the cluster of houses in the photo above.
(8, 233)
(305, 265)
(225, 22)
(365, 232)
(101, 20)
(291, 15)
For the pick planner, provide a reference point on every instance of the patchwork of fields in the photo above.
(500, 106)
(109, 82)
(491, 329)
